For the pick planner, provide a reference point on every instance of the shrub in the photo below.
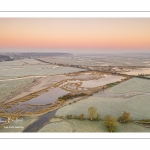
(70, 96)
(81, 116)
(98, 117)
(110, 123)
(92, 111)
(125, 117)
(69, 117)
(145, 120)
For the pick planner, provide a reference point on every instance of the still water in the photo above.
(102, 81)
(48, 97)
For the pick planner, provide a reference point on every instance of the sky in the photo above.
(74, 34)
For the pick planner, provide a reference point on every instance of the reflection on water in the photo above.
(37, 104)
(102, 81)
(47, 97)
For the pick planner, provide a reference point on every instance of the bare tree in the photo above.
(98, 117)
(92, 111)
(125, 117)
(110, 123)
(81, 116)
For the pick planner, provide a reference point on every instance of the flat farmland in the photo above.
(132, 85)
(101, 60)
(31, 67)
(131, 96)
(75, 125)
(9, 87)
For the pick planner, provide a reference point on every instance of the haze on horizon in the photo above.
(72, 35)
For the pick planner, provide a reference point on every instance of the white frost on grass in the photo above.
(132, 85)
(137, 106)
(57, 127)
(9, 87)
(32, 67)
(18, 126)
(92, 126)
(137, 71)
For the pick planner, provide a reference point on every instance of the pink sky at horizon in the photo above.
(75, 33)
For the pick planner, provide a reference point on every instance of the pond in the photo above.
(46, 98)
(102, 81)
(38, 103)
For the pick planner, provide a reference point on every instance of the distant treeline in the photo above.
(5, 58)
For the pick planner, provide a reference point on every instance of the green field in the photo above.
(131, 96)
(75, 125)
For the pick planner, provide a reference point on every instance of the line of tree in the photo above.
(110, 121)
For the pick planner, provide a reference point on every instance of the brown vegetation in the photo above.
(98, 117)
(125, 117)
(92, 112)
(69, 96)
(81, 116)
(69, 116)
(110, 123)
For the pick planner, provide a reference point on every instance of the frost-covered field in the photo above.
(102, 59)
(9, 87)
(75, 125)
(138, 106)
(18, 125)
(131, 96)
(31, 67)
(147, 76)
(57, 127)
(137, 71)
(132, 85)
